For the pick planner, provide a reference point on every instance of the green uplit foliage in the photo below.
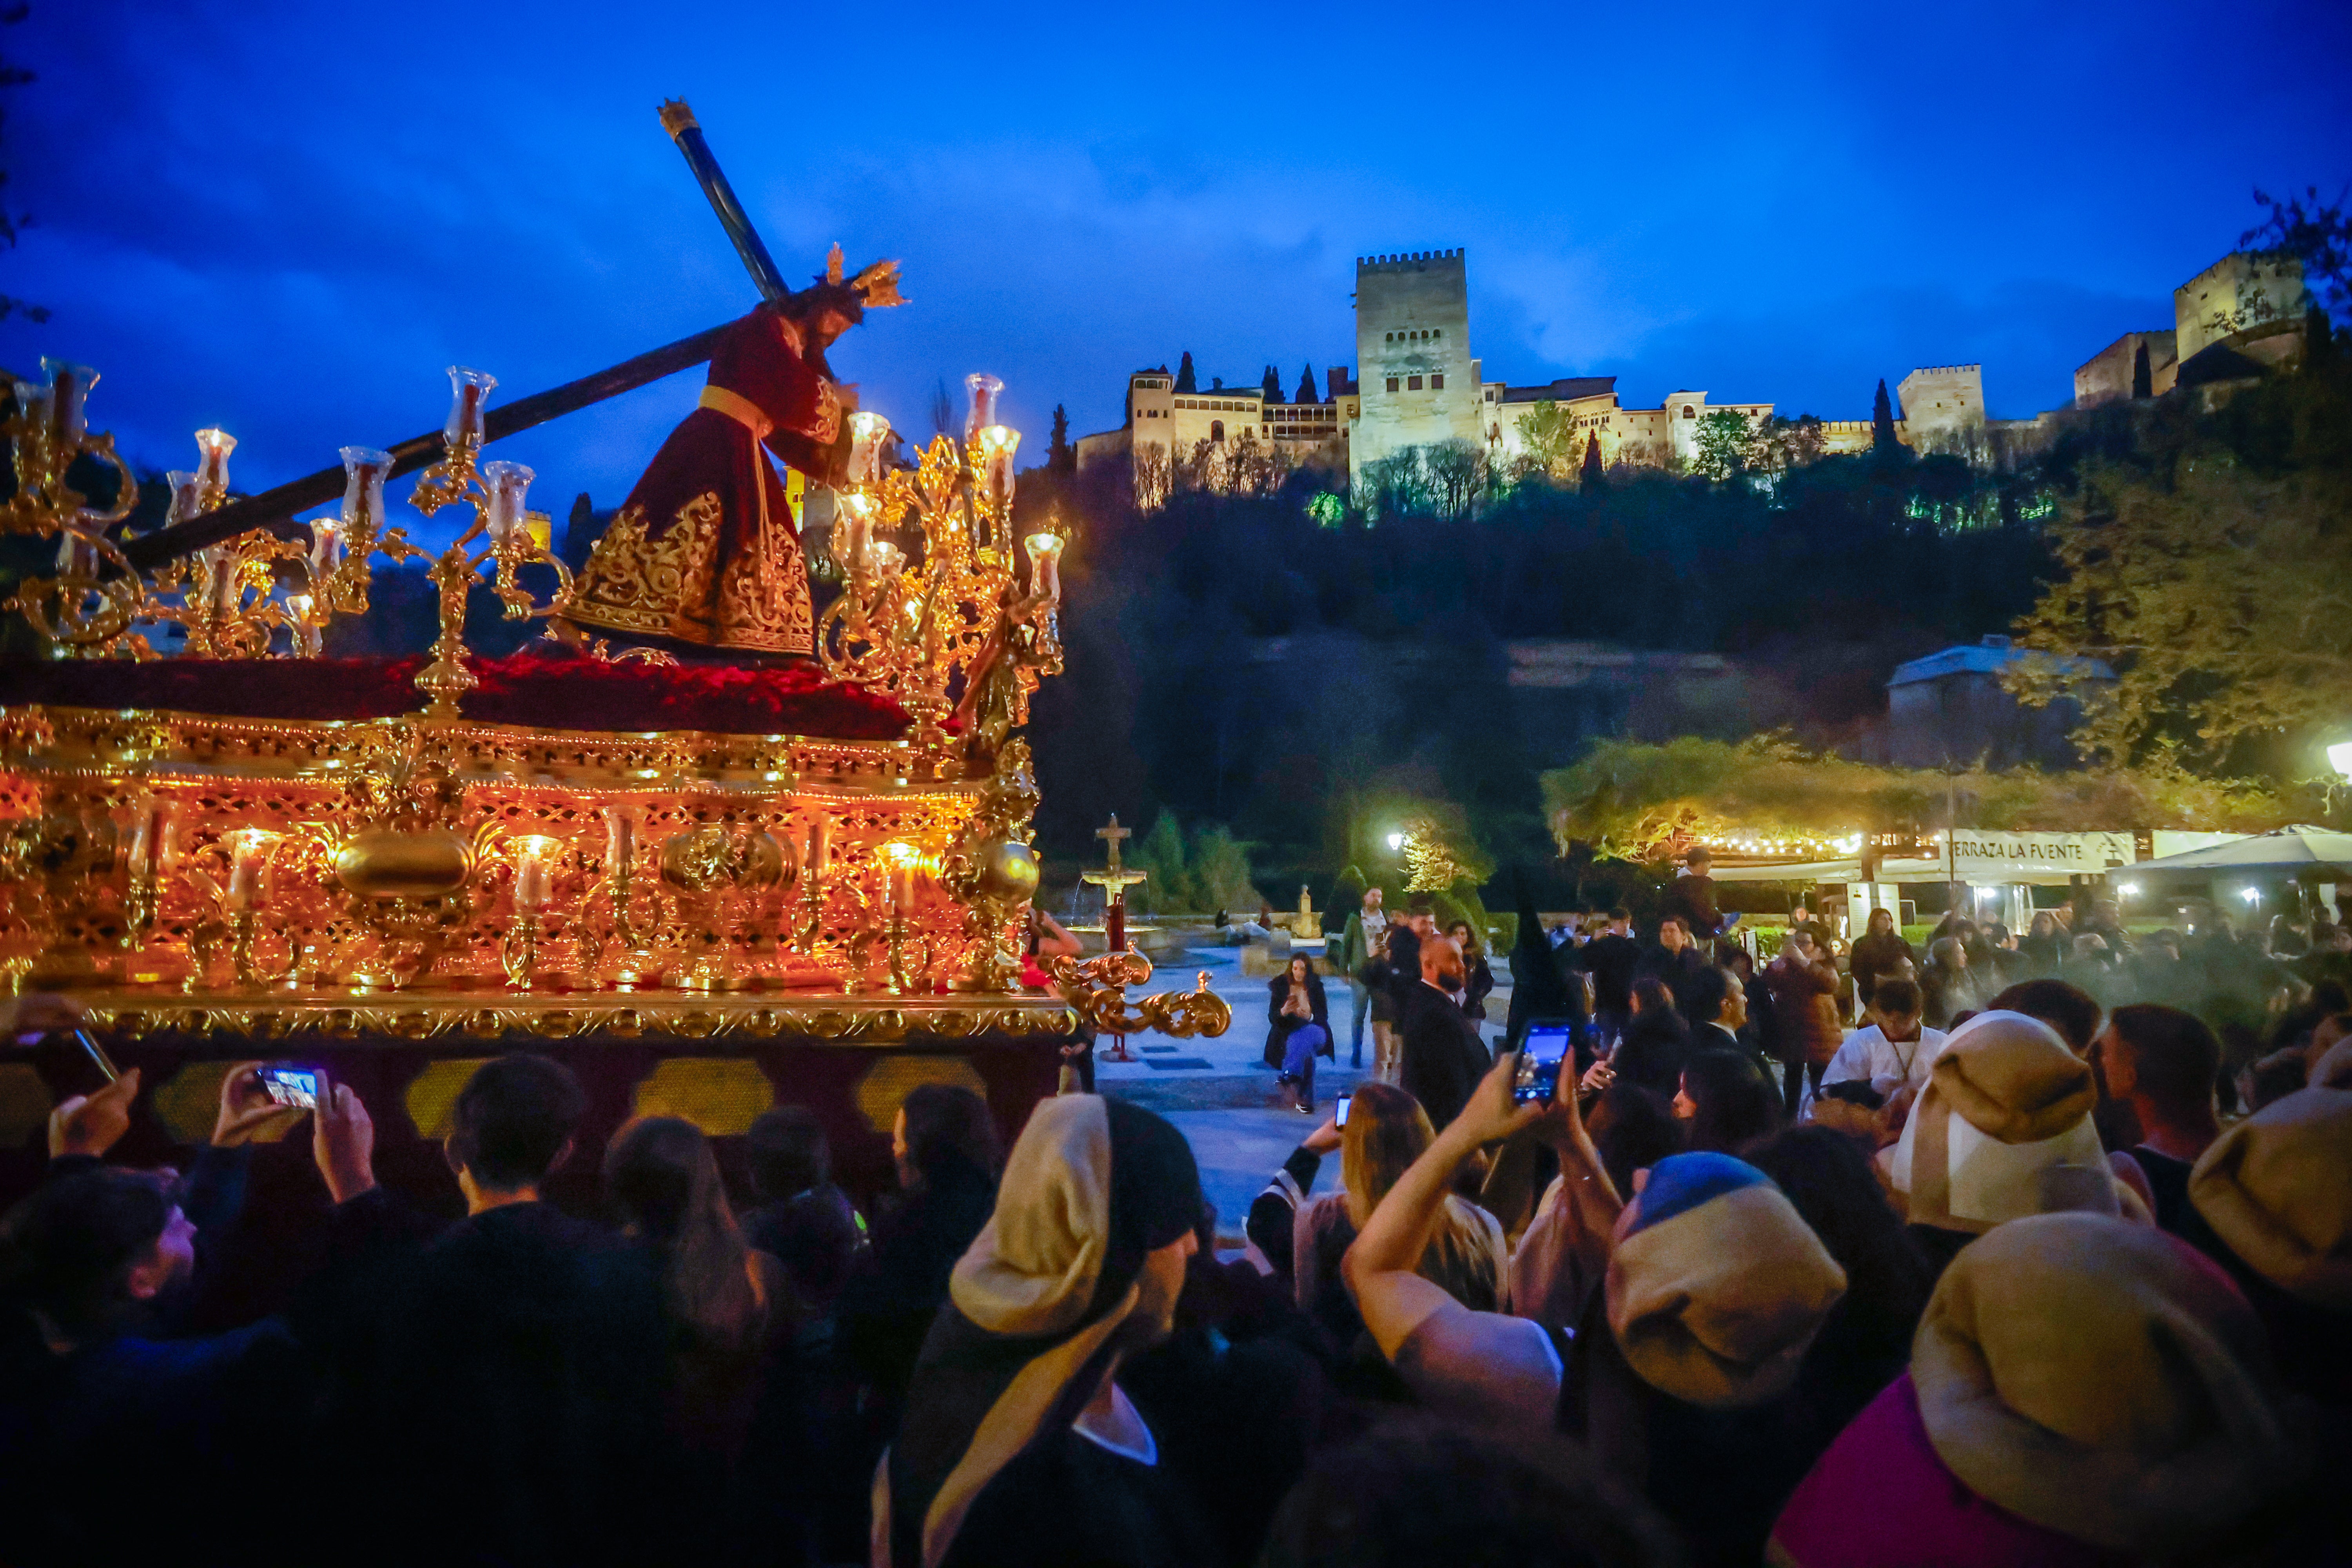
(1721, 446)
(1196, 873)
(1552, 443)
(1628, 799)
(1327, 510)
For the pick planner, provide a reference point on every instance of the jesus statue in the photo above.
(703, 559)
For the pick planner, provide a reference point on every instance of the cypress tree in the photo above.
(1061, 457)
(1307, 385)
(2142, 383)
(1184, 379)
(2318, 340)
(1882, 421)
(1591, 475)
(1271, 384)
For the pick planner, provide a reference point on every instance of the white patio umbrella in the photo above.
(2287, 850)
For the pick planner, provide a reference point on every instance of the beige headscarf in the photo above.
(2278, 1188)
(2102, 1379)
(2003, 1130)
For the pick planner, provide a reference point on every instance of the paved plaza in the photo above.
(1222, 1093)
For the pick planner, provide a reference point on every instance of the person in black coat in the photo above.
(1675, 961)
(1443, 1058)
(1479, 982)
(1298, 1027)
(1656, 1042)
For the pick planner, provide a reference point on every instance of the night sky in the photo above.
(286, 218)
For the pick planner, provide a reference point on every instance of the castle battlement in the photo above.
(1412, 261)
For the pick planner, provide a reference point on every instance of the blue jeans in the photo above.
(1298, 1055)
(1360, 995)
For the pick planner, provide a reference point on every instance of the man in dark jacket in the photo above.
(1443, 1057)
(509, 1367)
(1677, 963)
(1614, 961)
(1692, 897)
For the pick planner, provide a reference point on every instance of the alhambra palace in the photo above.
(1419, 386)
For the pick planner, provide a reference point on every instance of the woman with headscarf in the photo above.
(2003, 1130)
(2083, 1392)
(1018, 1446)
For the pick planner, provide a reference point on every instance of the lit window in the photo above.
(1686, 412)
(1392, 384)
(1437, 383)
(1412, 383)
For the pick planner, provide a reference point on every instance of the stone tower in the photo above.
(1413, 371)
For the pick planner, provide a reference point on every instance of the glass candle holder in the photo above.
(250, 849)
(901, 861)
(536, 856)
(1045, 566)
(469, 391)
(620, 836)
(150, 832)
(885, 558)
(867, 432)
(984, 389)
(186, 495)
(859, 511)
(307, 642)
(69, 387)
(507, 483)
(996, 445)
(222, 590)
(212, 467)
(365, 471)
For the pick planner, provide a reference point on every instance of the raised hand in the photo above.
(91, 1124)
(343, 1140)
(246, 1108)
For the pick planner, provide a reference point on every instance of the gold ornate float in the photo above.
(429, 876)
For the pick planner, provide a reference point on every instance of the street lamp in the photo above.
(2339, 757)
(2127, 890)
(2252, 895)
(1396, 842)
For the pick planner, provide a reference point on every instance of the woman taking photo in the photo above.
(1480, 973)
(1299, 1027)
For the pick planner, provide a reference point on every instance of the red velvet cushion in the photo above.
(534, 690)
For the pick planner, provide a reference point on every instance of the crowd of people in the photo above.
(2062, 1275)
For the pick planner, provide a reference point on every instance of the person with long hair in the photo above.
(1387, 1130)
(663, 1182)
(2043, 946)
(1298, 1027)
(1725, 1101)
(1876, 955)
(1655, 1040)
(1480, 974)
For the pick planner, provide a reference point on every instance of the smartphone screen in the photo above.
(289, 1084)
(1342, 1118)
(1546, 1048)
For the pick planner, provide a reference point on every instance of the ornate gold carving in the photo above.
(634, 585)
(1097, 986)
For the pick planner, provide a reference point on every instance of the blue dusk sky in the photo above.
(285, 218)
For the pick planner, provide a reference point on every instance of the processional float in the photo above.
(419, 856)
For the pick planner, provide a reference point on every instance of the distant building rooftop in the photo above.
(1566, 389)
(1990, 657)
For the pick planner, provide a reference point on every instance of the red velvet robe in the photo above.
(704, 552)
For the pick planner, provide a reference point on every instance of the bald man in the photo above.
(1443, 1056)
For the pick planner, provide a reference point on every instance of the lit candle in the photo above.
(468, 391)
(866, 433)
(307, 641)
(820, 831)
(620, 836)
(859, 509)
(250, 849)
(898, 883)
(212, 470)
(997, 445)
(535, 857)
(1045, 566)
(985, 388)
(326, 548)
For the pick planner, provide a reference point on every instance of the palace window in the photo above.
(1687, 413)
(1412, 383)
(1392, 384)
(1437, 382)
(1216, 429)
